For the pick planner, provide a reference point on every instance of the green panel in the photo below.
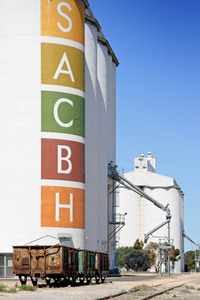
(82, 255)
(71, 108)
(80, 261)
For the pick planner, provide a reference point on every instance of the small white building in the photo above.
(142, 215)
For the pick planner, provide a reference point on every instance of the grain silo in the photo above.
(57, 72)
(142, 216)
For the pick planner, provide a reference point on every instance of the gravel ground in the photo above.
(189, 290)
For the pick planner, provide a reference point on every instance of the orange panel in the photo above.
(62, 207)
(64, 19)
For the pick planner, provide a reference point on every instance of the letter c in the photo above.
(55, 111)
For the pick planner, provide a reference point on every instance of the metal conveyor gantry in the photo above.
(114, 174)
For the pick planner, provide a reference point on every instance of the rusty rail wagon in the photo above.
(59, 265)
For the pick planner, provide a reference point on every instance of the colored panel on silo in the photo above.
(62, 207)
(62, 65)
(64, 113)
(63, 160)
(64, 19)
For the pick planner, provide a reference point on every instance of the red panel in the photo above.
(63, 160)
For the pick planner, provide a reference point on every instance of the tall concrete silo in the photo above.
(57, 77)
(100, 128)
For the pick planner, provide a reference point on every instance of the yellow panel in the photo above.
(70, 62)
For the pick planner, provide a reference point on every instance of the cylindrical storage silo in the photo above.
(20, 118)
(130, 204)
(154, 216)
(42, 120)
(111, 109)
(91, 116)
(102, 132)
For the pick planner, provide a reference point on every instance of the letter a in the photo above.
(59, 69)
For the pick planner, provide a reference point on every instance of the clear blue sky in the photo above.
(157, 43)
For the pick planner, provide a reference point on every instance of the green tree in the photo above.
(134, 258)
(190, 260)
(152, 247)
(138, 245)
(122, 253)
(174, 255)
(152, 250)
(191, 265)
(137, 260)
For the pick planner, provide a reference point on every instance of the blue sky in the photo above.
(157, 43)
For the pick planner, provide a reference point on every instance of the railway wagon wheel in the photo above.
(82, 280)
(88, 279)
(48, 281)
(23, 279)
(34, 281)
(103, 278)
(56, 282)
(64, 281)
(97, 278)
(72, 281)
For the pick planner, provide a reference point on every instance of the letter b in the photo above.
(64, 158)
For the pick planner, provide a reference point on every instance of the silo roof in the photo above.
(89, 16)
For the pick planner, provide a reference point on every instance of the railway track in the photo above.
(155, 290)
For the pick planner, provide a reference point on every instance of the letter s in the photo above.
(65, 16)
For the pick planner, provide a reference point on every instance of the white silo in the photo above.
(143, 216)
(20, 118)
(54, 175)
(100, 131)
(91, 114)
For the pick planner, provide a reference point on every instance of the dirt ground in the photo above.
(190, 289)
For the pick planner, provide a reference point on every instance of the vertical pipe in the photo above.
(195, 260)
(169, 249)
(113, 201)
(160, 262)
(4, 265)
